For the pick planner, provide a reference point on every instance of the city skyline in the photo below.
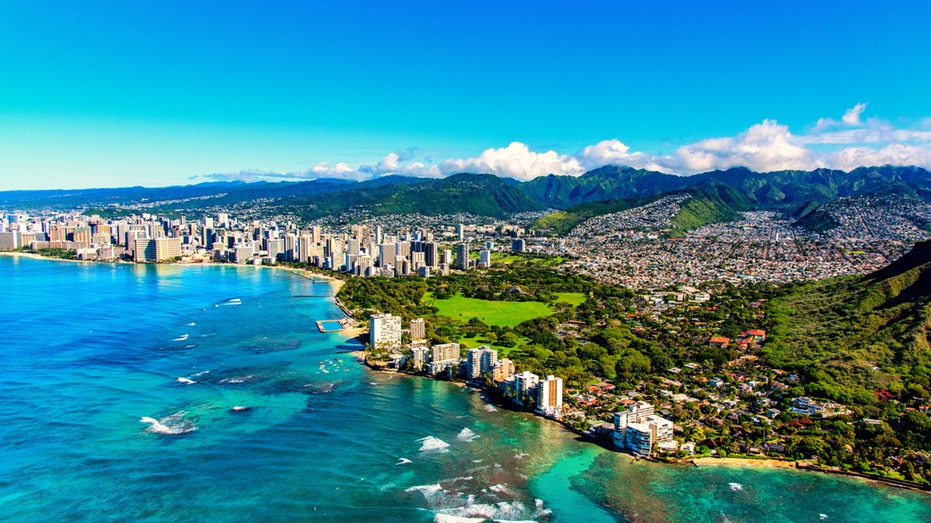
(107, 95)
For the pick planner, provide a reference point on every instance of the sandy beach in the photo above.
(744, 462)
(35, 256)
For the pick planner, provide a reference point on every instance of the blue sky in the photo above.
(98, 94)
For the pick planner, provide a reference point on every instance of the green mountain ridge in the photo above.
(851, 338)
(481, 194)
(792, 192)
(711, 203)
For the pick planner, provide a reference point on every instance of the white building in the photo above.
(385, 331)
(442, 357)
(638, 428)
(481, 361)
(419, 357)
(484, 258)
(549, 396)
(525, 384)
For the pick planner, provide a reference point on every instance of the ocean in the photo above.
(252, 414)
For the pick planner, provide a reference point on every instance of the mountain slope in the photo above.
(850, 337)
(780, 190)
(712, 203)
(481, 194)
(605, 183)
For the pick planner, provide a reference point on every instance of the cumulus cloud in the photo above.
(767, 146)
(764, 147)
(892, 154)
(615, 152)
(515, 161)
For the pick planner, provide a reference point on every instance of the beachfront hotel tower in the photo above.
(549, 396)
(385, 332)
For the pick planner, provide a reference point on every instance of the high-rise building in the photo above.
(503, 370)
(517, 245)
(481, 361)
(638, 428)
(419, 357)
(156, 249)
(387, 255)
(418, 329)
(549, 396)
(484, 259)
(385, 331)
(462, 256)
(525, 383)
(431, 255)
(442, 357)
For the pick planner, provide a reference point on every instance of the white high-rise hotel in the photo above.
(385, 331)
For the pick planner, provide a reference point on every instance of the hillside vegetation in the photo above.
(714, 203)
(858, 340)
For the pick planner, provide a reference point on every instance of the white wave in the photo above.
(191, 324)
(201, 373)
(508, 511)
(499, 489)
(169, 425)
(432, 444)
(239, 408)
(234, 301)
(403, 461)
(522, 455)
(428, 491)
(236, 379)
(467, 435)
(822, 516)
(490, 408)
(735, 486)
(460, 478)
(181, 337)
(447, 518)
(186, 381)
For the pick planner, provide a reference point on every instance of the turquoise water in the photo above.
(90, 349)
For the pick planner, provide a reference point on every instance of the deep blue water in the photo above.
(90, 349)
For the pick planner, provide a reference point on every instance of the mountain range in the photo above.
(716, 195)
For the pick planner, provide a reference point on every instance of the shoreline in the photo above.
(760, 462)
(35, 256)
(744, 462)
(355, 330)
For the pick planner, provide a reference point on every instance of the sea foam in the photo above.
(467, 435)
(432, 444)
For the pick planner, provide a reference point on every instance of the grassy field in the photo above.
(500, 313)
(572, 298)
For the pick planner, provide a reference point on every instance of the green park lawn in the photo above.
(572, 298)
(500, 313)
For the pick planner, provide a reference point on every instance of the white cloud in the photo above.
(614, 152)
(852, 116)
(515, 161)
(892, 154)
(764, 147)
